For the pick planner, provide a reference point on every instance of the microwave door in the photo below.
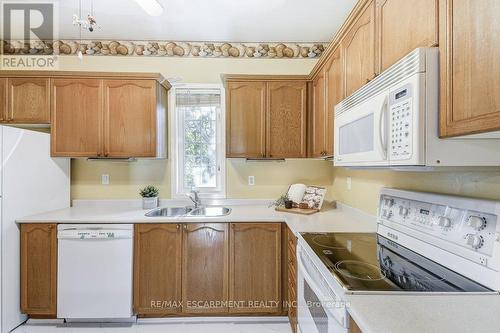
(361, 134)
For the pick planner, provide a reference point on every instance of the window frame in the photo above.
(177, 130)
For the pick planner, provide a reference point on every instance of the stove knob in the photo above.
(403, 211)
(476, 222)
(389, 202)
(444, 222)
(475, 241)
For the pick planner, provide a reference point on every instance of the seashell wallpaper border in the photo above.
(165, 49)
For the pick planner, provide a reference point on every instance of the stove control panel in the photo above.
(470, 229)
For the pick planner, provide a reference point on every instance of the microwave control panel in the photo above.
(401, 120)
(473, 230)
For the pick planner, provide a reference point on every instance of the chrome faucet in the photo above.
(195, 198)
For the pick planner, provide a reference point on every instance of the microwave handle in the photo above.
(382, 133)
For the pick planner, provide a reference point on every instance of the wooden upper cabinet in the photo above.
(255, 267)
(205, 267)
(157, 269)
(28, 100)
(470, 66)
(286, 119)
(3, 100)
(334, 94)
(358, 51)
(318, 117)
(76, 117)
(402, 26)
(245, 119)
(130, 118)
(39, 269)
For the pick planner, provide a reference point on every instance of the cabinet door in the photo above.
(39, 269)
(291, 247)
(286, 119)
(130, 118)
(318, 116)
(3, 100)
(402, 26)
(28, 100)
(470, 66)
(205, 268)
(255, 268)
(76, 117)
(358, 51)
(334, 94)
(157, 269)
(245, 119)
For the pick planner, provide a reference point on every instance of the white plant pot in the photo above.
(149, 203)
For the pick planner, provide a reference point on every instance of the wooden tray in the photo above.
(306, 211)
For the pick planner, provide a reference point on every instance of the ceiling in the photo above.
(210, 20)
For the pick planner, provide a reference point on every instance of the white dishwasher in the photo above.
(94, 275)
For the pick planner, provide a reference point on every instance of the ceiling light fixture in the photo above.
(151, 7)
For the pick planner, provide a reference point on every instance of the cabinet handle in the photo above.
(185, 227)
(178, 226)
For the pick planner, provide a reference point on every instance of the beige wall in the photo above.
(366, 185)
(272, 178)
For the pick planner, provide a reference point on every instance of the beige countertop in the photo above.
(341, 219)
(373, 313)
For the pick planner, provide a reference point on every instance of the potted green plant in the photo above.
(282, 201)
(149, 196)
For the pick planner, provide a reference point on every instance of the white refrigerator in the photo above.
(31, 182)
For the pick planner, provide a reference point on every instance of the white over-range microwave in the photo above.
(393, 121)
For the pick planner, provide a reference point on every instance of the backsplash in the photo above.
(271, 178)
(366, 185)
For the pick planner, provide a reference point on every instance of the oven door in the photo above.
(318, 310)
(360, 133)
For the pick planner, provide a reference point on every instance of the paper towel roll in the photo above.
(296, 192)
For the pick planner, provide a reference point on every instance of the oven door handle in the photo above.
(314, 286)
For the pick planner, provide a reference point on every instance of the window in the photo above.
(198, 145)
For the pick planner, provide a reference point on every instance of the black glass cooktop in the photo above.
(370, 262)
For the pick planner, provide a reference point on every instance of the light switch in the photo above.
(251, 180)
(349, 183)
(105, 179)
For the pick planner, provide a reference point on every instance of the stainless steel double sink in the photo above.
(213, 211)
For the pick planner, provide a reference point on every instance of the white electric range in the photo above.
(425, 243)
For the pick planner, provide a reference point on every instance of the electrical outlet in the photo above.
(105, 179)
(349, 183)
(251, 180)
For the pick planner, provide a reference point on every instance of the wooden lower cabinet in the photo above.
(205, 268)
(292, 278)
(39, 270)
(255, 268)
(157, 269)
